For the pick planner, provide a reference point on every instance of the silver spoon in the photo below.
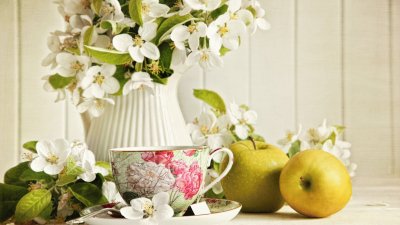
(92, 211)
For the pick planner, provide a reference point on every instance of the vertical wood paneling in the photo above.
(232, 80)
(367, 82)
(74, 126)
(41, 118)
(318, 62)
(272, 71)
(192, 79)
(8, 86)
(395, 74)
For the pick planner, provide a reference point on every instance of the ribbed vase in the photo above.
(140, 118)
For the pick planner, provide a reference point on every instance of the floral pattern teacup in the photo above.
(180, 171)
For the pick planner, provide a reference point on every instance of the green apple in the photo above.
(254, 177)
(315, 183)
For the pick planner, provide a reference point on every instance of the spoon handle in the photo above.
(82, 219)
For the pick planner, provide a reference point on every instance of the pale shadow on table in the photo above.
(280, 216)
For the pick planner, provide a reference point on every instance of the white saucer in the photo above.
(221, 211)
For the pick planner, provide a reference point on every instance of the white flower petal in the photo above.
(150, 50)
(250, 117)
(129, 213)
(215, 60)
(38, 164)
(136, 54)
(127, 87)
(97, 91)
(53, 169)
(87, 81)
(84, 106)
(161, 198)
(212, 4)
(180, 33)
(234, 5)
(194, 42)
(193, 58)
(44, 148)
(138, 203)
(108, 70)
(231, 43)
(158, 10)
(263, 24)
(148, 31)
(163, 212)
(241, 131)
(110, 85)
(122, 42)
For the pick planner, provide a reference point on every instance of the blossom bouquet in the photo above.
(220, 126)
(111, 47)
(56, 182)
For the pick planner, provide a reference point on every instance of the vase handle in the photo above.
(224, 173)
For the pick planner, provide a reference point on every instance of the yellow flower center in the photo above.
(154, 67)
(138, 41)
(107, 9)
(214, 130)
(77, 66)
(204, 57)
(223, 30)
(53, 159)
(99, 79)
(204, 129)
(192, 28)
(148, 210)
(145, 8)
(233, 16)
(86, 3)
(98, 104)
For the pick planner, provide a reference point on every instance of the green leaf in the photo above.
(88, 36)
(211, 98)
(116, 28)
(331, 137)
(30, 145)
(294, 148)
(88, 194)
(57, 81)
(108, 56)
(135, 11)
(72, 168)
(13, 175)
(105, 165)
(32, 205)
(167, 25)
(219, 11)
(257, 137)
(97, 6)
(65, 179)
(46, 213)
(9, 197)
(224, 50)
(30, 175)
(165, 55)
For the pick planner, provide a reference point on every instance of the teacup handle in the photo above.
(224, 173)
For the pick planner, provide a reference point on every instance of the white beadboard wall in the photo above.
(334, 59)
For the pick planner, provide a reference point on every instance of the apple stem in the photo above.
(252, 141)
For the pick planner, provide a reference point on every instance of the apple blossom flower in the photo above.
(259, 13)
(54, 44)
(290, 138)
(225, 31)
(95, 106)
(78, 22)
(139, 46)
(184, 8)
(152, 9)
(149, 211)
(179, 57)
(109, 190)
(99, 80)
(192, 33)
(138, 80)
(52, 156)
(242, 118)
(72, 7)
(72, 65)
(207, 5)
(111, 10)
(47, 87)
(206, 58)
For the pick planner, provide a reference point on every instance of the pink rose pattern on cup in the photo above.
(159, 172)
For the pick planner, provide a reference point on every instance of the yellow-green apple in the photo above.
(315, 183)
(254, 177)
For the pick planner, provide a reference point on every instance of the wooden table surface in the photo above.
(374, 202)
